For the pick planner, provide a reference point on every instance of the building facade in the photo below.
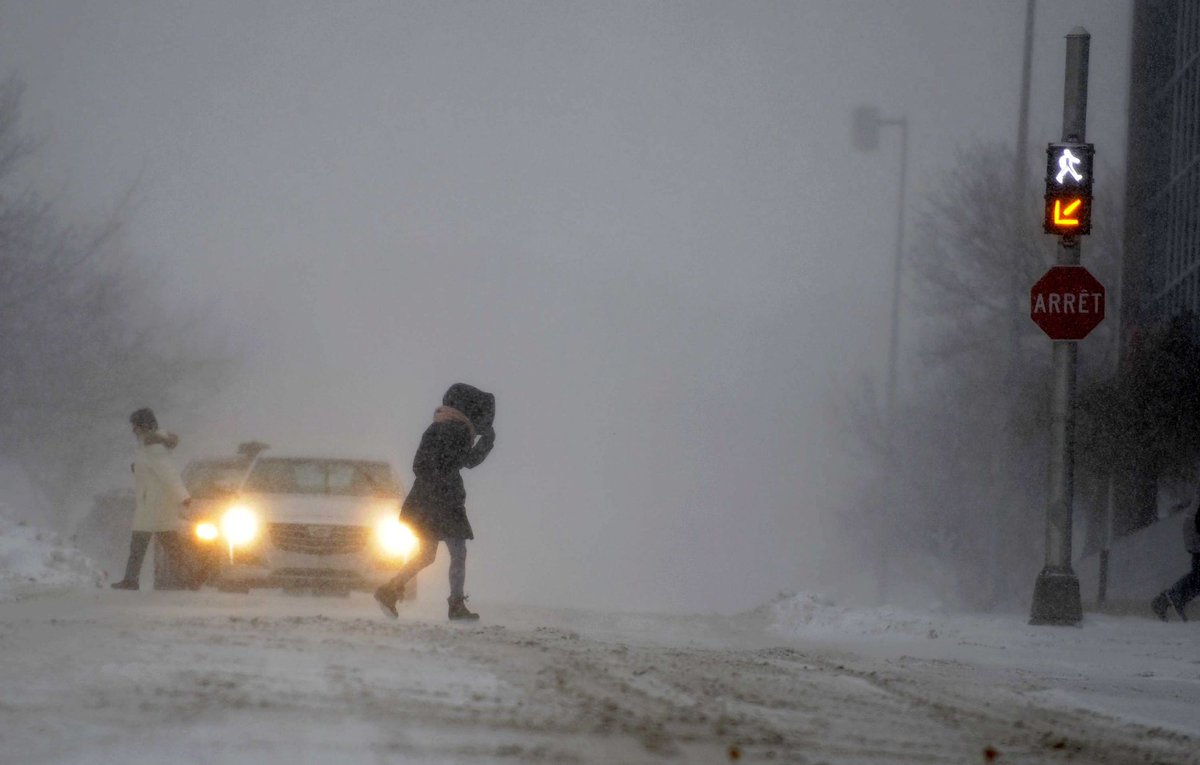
(1162, 235)
(1161, 266)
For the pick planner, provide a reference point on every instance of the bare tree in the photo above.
(961, 461)
(83, 339)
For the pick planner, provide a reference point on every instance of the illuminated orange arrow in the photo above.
(1060, 214)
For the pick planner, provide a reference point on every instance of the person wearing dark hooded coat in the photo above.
(461, 436)
(1188, 586)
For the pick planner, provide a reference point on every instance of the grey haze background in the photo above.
(640, 224)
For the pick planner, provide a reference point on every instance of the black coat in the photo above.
(436, 506)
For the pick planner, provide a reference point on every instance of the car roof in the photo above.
(341, 460)
(218, 462)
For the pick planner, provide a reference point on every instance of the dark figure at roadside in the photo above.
(435, 509)
(159, 495)
(1188, 585)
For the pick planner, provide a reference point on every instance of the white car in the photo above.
(307, 523)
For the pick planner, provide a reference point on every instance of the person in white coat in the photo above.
(160, 496)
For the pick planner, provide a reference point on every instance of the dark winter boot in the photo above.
(458, 610)
(125, 584)
(387, 598)
(1159, 604)
(1177, 606)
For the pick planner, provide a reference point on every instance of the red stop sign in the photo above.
(1067, 303)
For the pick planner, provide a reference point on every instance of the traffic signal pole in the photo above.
(1056, 598)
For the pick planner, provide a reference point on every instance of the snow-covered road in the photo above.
(155, 677)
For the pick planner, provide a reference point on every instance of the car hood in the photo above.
(321, 509)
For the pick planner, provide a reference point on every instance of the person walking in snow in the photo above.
(1188, 585)
(159, 495)
(461, 436)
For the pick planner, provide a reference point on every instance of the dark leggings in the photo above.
(426, 555)
(1188, 585)
(137, 550)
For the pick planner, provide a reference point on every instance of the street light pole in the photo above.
(1002, 460)
(1020, 172)
(865, 134)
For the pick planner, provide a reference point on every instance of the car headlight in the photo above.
(395, 538)
(206, 531)
(239, 525)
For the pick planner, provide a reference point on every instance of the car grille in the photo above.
(318, 539)
(328, 575)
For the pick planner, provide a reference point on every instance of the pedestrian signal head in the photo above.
(1068, 208)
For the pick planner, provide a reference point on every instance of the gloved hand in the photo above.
(487, 438)
(479, 452)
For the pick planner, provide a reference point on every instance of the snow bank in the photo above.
(33, 559)
(1140, 565)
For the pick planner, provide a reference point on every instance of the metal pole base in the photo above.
(1056, 598)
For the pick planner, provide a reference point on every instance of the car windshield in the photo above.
(207, 479)
(314, 476)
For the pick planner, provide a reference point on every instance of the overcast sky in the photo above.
(641, 225)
